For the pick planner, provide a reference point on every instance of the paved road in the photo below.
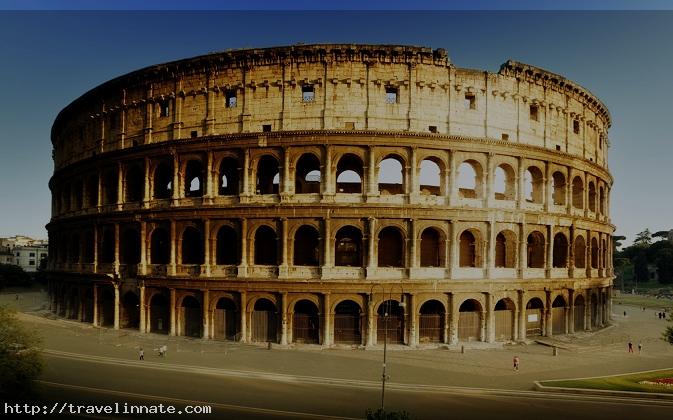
(256, 398)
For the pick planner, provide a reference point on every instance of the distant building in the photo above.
(23, 251)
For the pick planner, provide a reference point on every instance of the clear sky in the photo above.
(47, 59)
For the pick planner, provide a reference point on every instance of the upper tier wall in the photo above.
(352, 89)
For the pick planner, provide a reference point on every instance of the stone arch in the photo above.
(560, 255)
(558, 315)
(306, 246)
(130, 310)
(430, 176)
(264, 320)
(534, 317)
(268, 175)
(390, 322)
(191, 315)
(106, 305)
(580, 252)
(534, 185)
(592, 196)
(194, 180)
(134, 183)
(160, 313)
(226, 319)
(349, 174)
(228, 176)
(559, 188)
(578, 192)
(129, 246)
(391, 175)
(307, 174)
(305, 322)
(470, 318)
(470, 253)
(470, 179)
(347, 322)
(601, 200)
(604, 254)
(88, 247)
(433, 245)
(536, 250)
(348, 247)
(162, 180)
(505, 249)
(227, 249)
(160, 246)
(110, 186)
(431, 321)
(579, 313)
(504, 187)
(192, 246)
(594, 253)
(107, 245)
(266, 246)
(504, 313)
(391, 252)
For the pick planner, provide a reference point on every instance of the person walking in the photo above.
(630, 347)
(640, 346)
(624, 313)
(515, 361)
(142, 354)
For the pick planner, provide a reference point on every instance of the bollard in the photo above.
(555, 351)
(462, 349)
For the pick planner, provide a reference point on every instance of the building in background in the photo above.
(23, 251)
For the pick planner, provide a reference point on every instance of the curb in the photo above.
(604, 392)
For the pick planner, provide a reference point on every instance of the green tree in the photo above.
(641, 272)
(617, 240)
(662, 234)
(13, 275)
(643, 238)
(20, 359)
(664, 261)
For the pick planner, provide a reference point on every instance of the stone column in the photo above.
(521, 184)
(549, 181)
(143, 248)
(283, 315)
(206, 314)
(414, 187)
(587, 310)
(117, 240)
(99, 198)
(452, 190)
(243, 305)
(372, 262)
(95, 248)
(243, 265)
(175, 186)
(207, 250)
(548, 314)
(549, 264)
(413, 246)
(245, 190)
(283, 270)
(146, 191)
(370, 322)
(522, 316)
(120, 185)
(413, 321)
(172, 268)
(522, 249)
(116, 319)
(452, 247)
(327, 321)
(570, 324)
(285, 184)
(482, 326)
(143, 310)
(209, 177)
(95, 306)
(490, 248)
(454, 318)
(329, 186)
(490, 318)
(490, 180)
(446, 334)
(172, 330)
(328, 257)
(372, 182)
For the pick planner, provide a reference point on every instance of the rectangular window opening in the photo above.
(194, 134)
(576, 126)
(534, 112)
(164, 110)
(307, 93)
(505, 136)
(558, 147)
(230, 99)
(470, 101)
(266, 128)
(432, 128)
(350, 125)
(391, 95)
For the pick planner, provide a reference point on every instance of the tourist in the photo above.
(516, 362)
(142, 354)
(640, 347)
(624, 313)
(630, 347)
(162, 351)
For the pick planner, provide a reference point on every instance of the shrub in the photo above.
(20, 359)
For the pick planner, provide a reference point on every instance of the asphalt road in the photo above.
(78, 381)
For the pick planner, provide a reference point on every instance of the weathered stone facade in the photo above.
(242, 195)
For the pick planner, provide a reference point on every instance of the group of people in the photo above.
(162, 352)
(640, 347)
(661, 315)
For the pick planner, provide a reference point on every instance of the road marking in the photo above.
(194, 402)
(354, 383)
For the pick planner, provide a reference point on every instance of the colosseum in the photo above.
(334, 195)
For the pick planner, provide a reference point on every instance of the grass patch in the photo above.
(640, 301)
(618, 383)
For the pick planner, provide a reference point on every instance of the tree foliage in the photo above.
(13, 275)
(640, 267)
(643, 238)
(661, 234)
(664, 261)
(20, 359)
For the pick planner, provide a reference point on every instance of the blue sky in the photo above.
(625, 58)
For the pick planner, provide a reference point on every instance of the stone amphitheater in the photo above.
(334, 195)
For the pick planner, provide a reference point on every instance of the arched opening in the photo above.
(505, 184)
(228, 177)
(534, 311)
(578, 193)
(579, 252)
(505, 249)
(87, 249)
(306, 246)
(307, 176)
(348, 247)
(391, 248)
(432, 248)
(110, 187)
(74, 248)
(226, 319)
(130, 313)
(431, 322)
(92, 191)
(430, 178)
(79, 191)
(604, 255)
(163, 181)
(264, 321)
(106, 317)
(468, 250)
(160, 252)
(601, 200)
(192, 246)
(160, 314)
(265, 246)
(107, 246)
(579, 313)
(135, 183)
(227, 249)
(592, 196)
(129, 249)
(534, 185)
(504, 320)
(87, 310)
(305, 323)
(194, 178)
(391, 176)
(595, 320)
(390, 323)
(558, 315)
(268, 175)
(594, 253)
(72, 306)
(536, 250)
(559, 189)
(192, 317)
(469, 321)
(349, 174)
(347, 323)
(469, 179)
(560, 251)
